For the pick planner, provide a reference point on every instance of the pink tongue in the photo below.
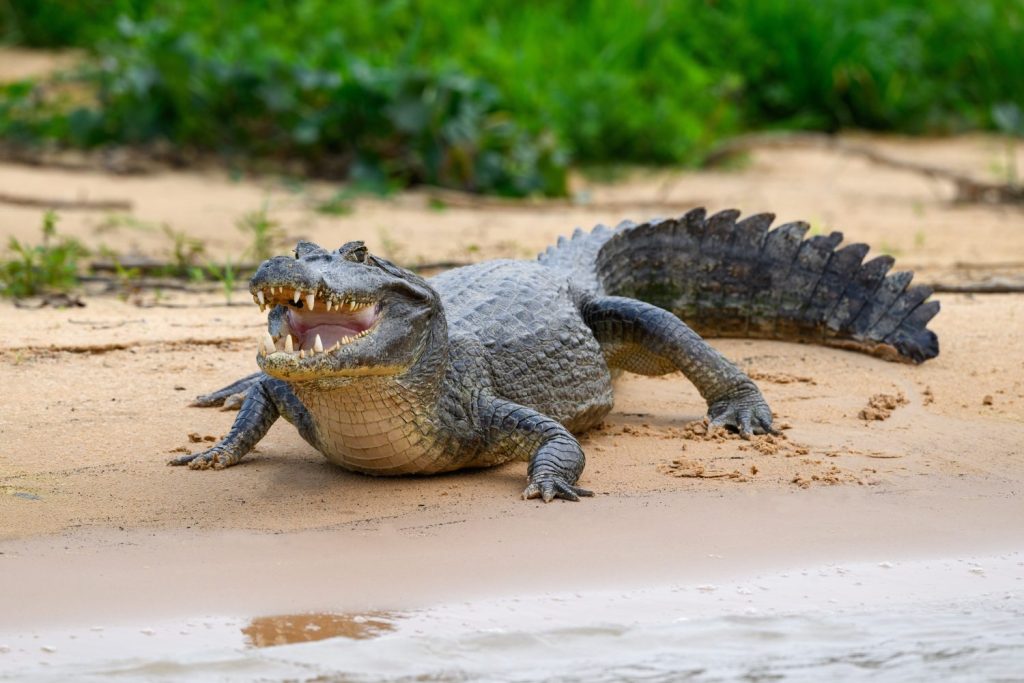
(330, 326)
(329, 334)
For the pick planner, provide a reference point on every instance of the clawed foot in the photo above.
(550, 487)
(225, 401)
(214, 458)
(744, 411)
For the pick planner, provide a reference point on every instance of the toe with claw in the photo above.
(744, 411)
(214, 458)
(547, 488)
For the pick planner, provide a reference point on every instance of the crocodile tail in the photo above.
(739, 278)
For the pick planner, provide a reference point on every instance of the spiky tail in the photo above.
(740, 279)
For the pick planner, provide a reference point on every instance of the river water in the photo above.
(954, 619)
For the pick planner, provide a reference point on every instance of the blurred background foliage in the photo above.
(500, 96)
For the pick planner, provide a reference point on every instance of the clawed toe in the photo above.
(549, 489)
(210, 459)
(183, 459)
(204, 462)
(745, 413)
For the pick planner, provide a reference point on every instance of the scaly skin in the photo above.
(507, 360)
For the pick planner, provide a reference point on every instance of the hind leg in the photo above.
(638, 337)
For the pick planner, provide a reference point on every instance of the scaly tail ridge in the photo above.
(740, 278)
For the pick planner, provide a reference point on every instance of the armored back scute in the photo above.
(739, 278)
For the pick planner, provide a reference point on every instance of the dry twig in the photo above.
(66, 204)
(967, 189)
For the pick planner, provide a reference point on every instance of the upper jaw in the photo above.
(309, 298)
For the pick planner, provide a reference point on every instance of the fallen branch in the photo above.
(968, 190)
(995, 286)
(56, 300)
(145, 266)
(66, 204)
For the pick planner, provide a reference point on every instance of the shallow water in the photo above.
(948, 620)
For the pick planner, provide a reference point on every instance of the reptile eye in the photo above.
(354, 251)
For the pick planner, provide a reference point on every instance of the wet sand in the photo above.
(95, 526)
(849, 621)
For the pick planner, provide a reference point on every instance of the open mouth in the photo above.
(315, 323)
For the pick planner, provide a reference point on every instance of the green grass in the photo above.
(225, 274)
(266, 236)
(46, 268)
(55, 264)
(501, 96)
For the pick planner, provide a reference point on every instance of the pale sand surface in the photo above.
(20, 63)
(94, 401)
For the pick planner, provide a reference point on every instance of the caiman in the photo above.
(387, 373)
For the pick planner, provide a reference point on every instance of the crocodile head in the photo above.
(340, 314)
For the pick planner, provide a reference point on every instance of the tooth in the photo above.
(310, 300)
(262, 348)
(327, 305)
(268, 343)
(318, 345)
(302, 354)
(288, 348)
(261, 298)
(298, 295)
(337, 345)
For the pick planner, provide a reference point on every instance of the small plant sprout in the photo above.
(185, 251)
(226, 276)
(1010, 121)
(51, 266)
(265, 234)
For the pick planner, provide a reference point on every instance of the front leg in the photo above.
(642, 338)
(231, 396)
(265, 401)
(555, 457)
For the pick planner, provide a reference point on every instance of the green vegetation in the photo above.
(265, 234)
(1010, 120)
(185, 253)
(45, 268)
(226, 275)
(55, 265)
(500, 96)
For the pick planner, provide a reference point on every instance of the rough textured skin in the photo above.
(507, 359)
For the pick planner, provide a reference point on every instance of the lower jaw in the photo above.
(287, 368)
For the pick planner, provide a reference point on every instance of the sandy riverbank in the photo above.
(95, 526)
